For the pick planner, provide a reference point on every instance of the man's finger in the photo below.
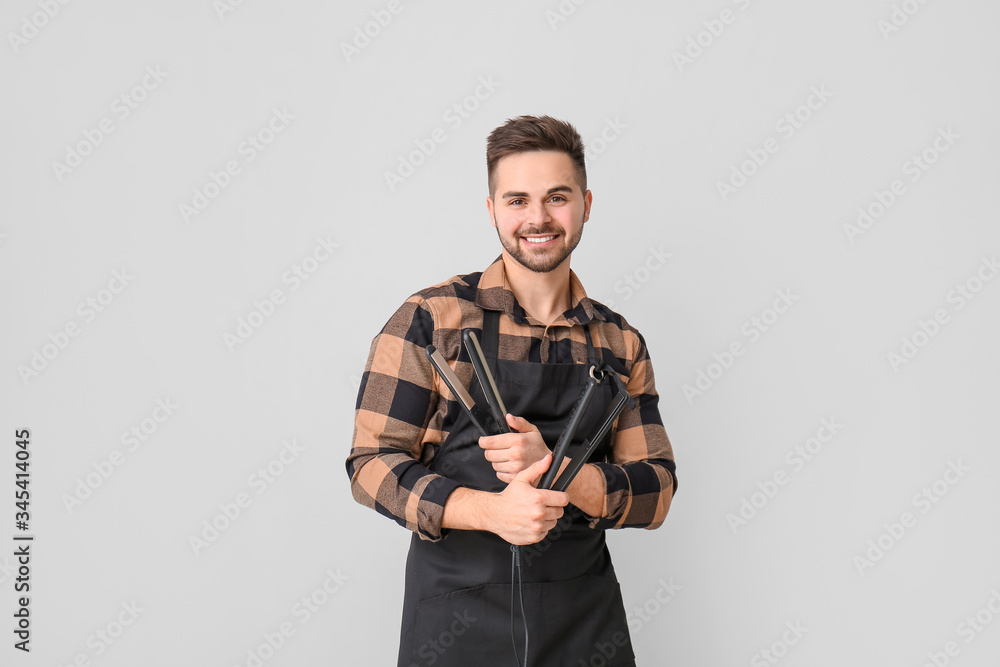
(520, 424)
(494, 456)
(494, 441)
(556, 499)
(534, 472)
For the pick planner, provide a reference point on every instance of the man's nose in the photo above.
(537, 213)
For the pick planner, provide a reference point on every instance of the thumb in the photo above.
(520, 424)
(534, 472)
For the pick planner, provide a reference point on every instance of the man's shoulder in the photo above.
(624, 339)
(447, 304)
(462, 287)
(613, 317)
(434, 307)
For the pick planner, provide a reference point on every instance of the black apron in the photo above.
(458, 599)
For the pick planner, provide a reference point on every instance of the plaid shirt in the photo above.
(404, 408)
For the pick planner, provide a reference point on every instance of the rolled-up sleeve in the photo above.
(640, 478)
(396, 419)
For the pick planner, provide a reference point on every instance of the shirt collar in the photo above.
(494, 293)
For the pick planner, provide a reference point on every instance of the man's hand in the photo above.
(510, 453)
(524, 514)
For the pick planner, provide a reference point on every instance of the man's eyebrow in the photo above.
(558, 188)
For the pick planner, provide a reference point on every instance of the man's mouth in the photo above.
(538, 240)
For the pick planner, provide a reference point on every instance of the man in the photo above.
(417, 458)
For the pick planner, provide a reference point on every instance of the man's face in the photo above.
(538, 208)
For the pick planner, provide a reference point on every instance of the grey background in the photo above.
(680, 131)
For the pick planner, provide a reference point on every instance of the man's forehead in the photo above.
(535, 171)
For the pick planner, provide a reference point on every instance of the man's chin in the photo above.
(539, 265)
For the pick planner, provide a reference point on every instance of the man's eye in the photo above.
(516, 202)
(558, 198)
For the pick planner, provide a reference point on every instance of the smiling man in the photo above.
(417, 458)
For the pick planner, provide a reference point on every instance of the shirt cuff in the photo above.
(616, 494)
(430, 508)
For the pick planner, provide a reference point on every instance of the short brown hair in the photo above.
(534, 133)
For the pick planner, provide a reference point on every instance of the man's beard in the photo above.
(536, 263)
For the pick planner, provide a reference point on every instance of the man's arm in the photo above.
(520, 514)
(587, 490)
(396, 416)
(639, 482)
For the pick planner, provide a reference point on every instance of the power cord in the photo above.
(515, 565)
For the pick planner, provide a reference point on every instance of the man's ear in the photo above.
(588, 198)
(489, 207)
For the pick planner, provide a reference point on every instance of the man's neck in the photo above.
(545, 296)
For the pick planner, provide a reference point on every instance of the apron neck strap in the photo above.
(591, 354)
(491, 333)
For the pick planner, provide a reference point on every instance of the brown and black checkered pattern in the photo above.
(404, 409)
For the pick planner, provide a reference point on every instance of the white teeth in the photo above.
(543, 239)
